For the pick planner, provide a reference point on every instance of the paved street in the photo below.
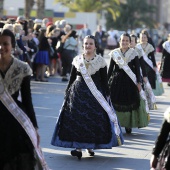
(133, 155)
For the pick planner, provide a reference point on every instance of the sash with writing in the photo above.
(99, 97)
(24, 121)
(123, 65)
(149, 62)
(166, 46)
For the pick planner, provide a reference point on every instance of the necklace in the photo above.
(87, 61)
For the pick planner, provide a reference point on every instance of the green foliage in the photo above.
(111, 6)
(131, 15)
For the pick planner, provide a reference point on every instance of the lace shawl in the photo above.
(129, 55)
(15, 74)
(93, 65)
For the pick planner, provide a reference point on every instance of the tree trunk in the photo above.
(1, 8)
(40, 9)
(28, 6)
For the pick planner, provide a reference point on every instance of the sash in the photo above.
(166, 46)
(99, 97)
(24, 121)
(145, 57)
(123, 65)
(149, 62)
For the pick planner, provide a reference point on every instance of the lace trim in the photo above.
(15, 74)
(92, 66)
(166, 46)
(139, 52)
(129, 55)
(149, 48)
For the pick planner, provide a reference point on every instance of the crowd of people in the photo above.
(98, 101)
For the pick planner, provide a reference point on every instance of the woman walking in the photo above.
(86, 120)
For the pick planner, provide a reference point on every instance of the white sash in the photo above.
(149, 62)
(24, 121)
(166, 46)
(122, 64)
(97, 94)
(145, 57)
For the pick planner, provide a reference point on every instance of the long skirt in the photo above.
(83, 123)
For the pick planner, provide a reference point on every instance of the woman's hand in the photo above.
(153, 161)
(139, 87)
(145, 79)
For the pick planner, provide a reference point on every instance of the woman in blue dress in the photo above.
(83, 122)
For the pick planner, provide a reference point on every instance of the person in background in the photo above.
(165, 62)
(84, 32)
(42, 56)
(125, 86)
(101, 37)
(69, 52)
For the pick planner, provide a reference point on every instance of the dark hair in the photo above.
(73, 34)
(92, 37)
(133, 35)
(125, 35)
(145, 32)
(9, 33)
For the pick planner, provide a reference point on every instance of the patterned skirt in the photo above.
(83, 123)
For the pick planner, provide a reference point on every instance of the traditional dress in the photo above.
(15, 145)
(129, 106)
(165, 63)
(151, 100)
(83, 123)
(153, 77)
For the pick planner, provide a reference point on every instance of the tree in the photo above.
(92, 6)
(28, 6)
(40, 9)
(132, 14)
(1, 8)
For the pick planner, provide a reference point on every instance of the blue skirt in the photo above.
(42, 57)
(73, 144)
(83, 123)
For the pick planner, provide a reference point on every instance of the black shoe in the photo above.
(64, 79)
(128, 130)
(91, 153)
(76, 153)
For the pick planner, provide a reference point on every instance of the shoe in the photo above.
(37, 79)
(168, 84)
(64, 79)
(128, 130)
(76, 153)
(91, 153)
(44, 80)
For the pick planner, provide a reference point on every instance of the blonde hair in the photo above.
(9, 27)
(17, 27)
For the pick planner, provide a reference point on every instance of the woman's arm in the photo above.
(73, 75)
(104, 81)
(27, 100)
